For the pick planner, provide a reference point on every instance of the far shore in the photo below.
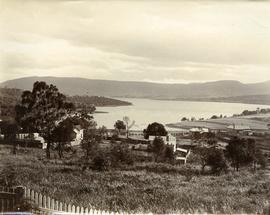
(241, 100)
(253, 122)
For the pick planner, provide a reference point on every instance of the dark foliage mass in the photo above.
(120, 125)
(243, 152)
(155, 129)
(40, 109)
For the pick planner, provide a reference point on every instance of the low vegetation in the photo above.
(111, 175)
(138, 187)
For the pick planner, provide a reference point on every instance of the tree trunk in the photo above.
(14, 151)
(48, 150)
(60, 154)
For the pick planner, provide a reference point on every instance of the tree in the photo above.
(168, 154)
(216, 160)
(40, 109)
(155, 129)
(184, 119)
(63, 134)
(129, 125)
(120, 154)
(10, 129)
(214, 117)
(90, 142)
(120, 125)
(158, 147)
(202, 152)
(241, 152)
(212, 157)
(100, 161)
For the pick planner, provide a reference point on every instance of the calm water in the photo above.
(145, 111)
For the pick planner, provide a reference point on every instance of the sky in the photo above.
(165, 41)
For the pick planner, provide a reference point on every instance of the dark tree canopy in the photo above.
(211, 157)
(63, 134)
(243, 152)
(120, 125)
(155, 129)
(40, 109)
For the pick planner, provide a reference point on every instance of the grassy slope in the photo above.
(139, 188)
(223, 123)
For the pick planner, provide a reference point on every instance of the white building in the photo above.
(182, 154)
(78, 137)
(78, 131)
(199, 130)
(32, 136)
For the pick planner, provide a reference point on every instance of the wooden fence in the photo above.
(10, 198)
(42, 204)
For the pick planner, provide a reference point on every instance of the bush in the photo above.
(120, 154)
(216, 160)
(100, 162)
(168, 154)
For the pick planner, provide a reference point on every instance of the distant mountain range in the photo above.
(229, 91)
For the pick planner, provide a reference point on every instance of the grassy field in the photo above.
(222, 123)
(142, 187)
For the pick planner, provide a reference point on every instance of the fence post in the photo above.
(60, 206)
(56, 207)
(19, 194)
(40, 200)
(65, 207)
(28, 193)
(36, 198)
(77, 209)
(69, 208)
(48, 202)
(73, 209)
(52, 204)
(32, 197)
(44, 202)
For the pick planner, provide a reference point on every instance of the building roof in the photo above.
(239, 127)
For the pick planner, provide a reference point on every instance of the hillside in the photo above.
(192, 91)
(98, 101)
(10, 96)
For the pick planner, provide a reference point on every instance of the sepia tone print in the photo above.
(134, 107)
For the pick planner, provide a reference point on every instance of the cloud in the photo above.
(183, 41)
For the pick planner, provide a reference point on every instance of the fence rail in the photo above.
(42, 204)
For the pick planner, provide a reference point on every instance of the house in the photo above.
(241, 129)
(199, 130)
(32, 136)
(138, 134)
(78, 135)
(179, 133)
(181, 155)
(168, 140)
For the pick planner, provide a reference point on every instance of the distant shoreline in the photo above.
(262, 100)
(100, 112)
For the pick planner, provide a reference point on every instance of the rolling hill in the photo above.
(224, 90)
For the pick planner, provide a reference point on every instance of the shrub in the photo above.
(216, 160)
(168, 154)
(100, 162)
(120, 154)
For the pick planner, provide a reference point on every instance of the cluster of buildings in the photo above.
(181, 140)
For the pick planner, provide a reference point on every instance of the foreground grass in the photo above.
(144, 187)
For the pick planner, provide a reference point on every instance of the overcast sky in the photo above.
(159, 41)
